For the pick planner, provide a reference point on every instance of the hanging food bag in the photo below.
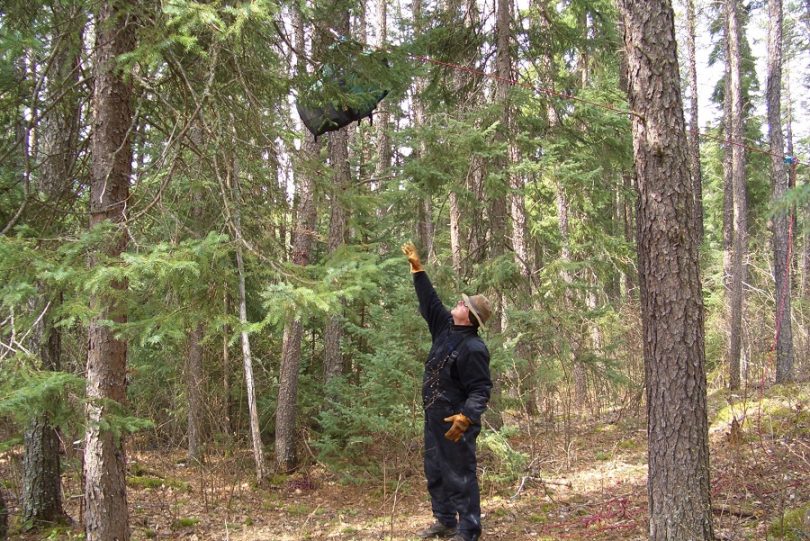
(344, 90)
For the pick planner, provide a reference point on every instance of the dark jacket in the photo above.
(457, 377)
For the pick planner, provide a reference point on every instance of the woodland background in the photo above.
(259, 321)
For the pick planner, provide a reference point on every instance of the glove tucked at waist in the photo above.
(460, 425)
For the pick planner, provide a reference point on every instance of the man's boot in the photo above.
(437, 530)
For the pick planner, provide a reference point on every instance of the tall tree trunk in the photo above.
(694, 127)
(455, 232)
(382, 118)
(3, 517)
(781, 263)
(516, 189)
(339, 158)
(498, 206)
(302, 235)
(468, 99)
(629, 186)
(286, 456)
(106, 516)
(789, 151)
(671, 299)
(728, 187)
(262, 472)
(424, 226)
(194, 393)
(740, 243)
(250, 387)
(42, 472)
(193, 369)
(580, 383)
(42, 487)
(227, 412)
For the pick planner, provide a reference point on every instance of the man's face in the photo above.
(461, 313)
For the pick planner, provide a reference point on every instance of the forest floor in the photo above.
(586, 482)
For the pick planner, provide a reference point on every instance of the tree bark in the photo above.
(728, 185)
(42, 494)
(3, 517)
(424, 226)
(42, 483)
(671, 299)
(694, 127)
(781, 248)
(339, 161)
(580, 381)
(629, 184)
(42, 472)
(498, 209)
(382, 118)
(740, 242)
(194, 394)
(455, 232)
(262, 472)
(302, 235)
(227, 412)
(106, 516)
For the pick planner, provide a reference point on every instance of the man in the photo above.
(455, 391)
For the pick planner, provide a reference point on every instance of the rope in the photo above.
(534, 88)
(538, 89)
(793, 161)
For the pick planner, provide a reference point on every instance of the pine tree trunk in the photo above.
(424, 227)
(262, 472)
(42, 483)
(580, 381)
(629, 185)
(671, 299)
(740, 243)
(469, 98)
(286, 411)
(630, 226)
(106, 516)
(59, 135)
(302, 235)
(797, 226)
(728, 190)
(42, 472)
(382, 117)
(227, 412)
(3, 517)
(339, 161)
(498, 209)
(517, 206)
(694, 127)
(194, 394)
(781, 264)
(455, 232)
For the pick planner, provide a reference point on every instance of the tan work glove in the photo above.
(413, 256)
(460, 425)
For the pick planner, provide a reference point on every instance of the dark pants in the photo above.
(450, 469)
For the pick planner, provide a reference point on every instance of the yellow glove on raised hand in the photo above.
(413, 256)
(460, 425)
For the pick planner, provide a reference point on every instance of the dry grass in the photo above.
(588, 485)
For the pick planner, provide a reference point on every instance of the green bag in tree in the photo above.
(344, 91)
